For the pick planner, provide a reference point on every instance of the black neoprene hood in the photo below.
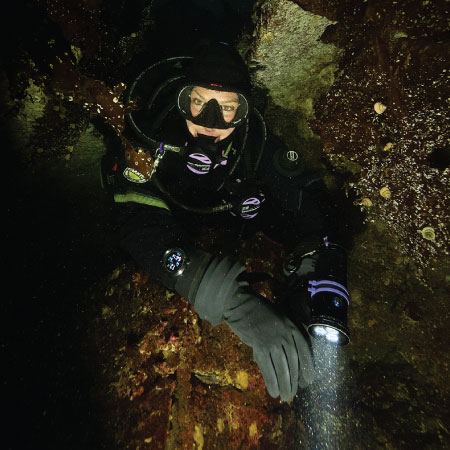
(219, 66)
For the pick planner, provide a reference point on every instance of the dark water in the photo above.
(57, 252)
(181, 23)
(60, 239)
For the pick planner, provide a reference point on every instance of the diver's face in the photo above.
(228, 102)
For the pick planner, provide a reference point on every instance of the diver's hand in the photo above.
(279, 349)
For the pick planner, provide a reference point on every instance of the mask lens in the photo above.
(184, 102)
(213, 113)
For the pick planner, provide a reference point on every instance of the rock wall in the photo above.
(290, 70)
(386, 117)
(287, 59)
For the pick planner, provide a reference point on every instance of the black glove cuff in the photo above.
(187, 284)
(217, 286)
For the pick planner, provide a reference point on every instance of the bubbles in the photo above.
(319, 405)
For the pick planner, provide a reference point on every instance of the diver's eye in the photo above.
(227, 108)
(197, 101)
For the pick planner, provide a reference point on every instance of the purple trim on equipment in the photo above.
(202, 166)
(252, 201)
(328, 286)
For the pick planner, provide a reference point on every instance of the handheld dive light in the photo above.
(329, 298)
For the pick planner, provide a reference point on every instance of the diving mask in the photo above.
(211, 113)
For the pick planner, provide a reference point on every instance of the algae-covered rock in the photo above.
(388, 113)
(288, 60)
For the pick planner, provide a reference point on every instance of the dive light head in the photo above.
(328, 306)
(322, 304)
(329, 298)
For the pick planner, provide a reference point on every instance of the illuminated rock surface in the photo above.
(289, 61)
(396, 57)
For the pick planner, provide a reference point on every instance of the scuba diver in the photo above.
(198, 153)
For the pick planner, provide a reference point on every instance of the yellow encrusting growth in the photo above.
(242, 379)
(253, 430)
(198, 437)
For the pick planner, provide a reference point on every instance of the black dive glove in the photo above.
(279, 349)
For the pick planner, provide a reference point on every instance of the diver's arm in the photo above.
(146, 233)
(210, 283)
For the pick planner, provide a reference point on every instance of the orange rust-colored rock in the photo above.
(177, 381)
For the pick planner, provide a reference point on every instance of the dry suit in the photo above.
(168, 184)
